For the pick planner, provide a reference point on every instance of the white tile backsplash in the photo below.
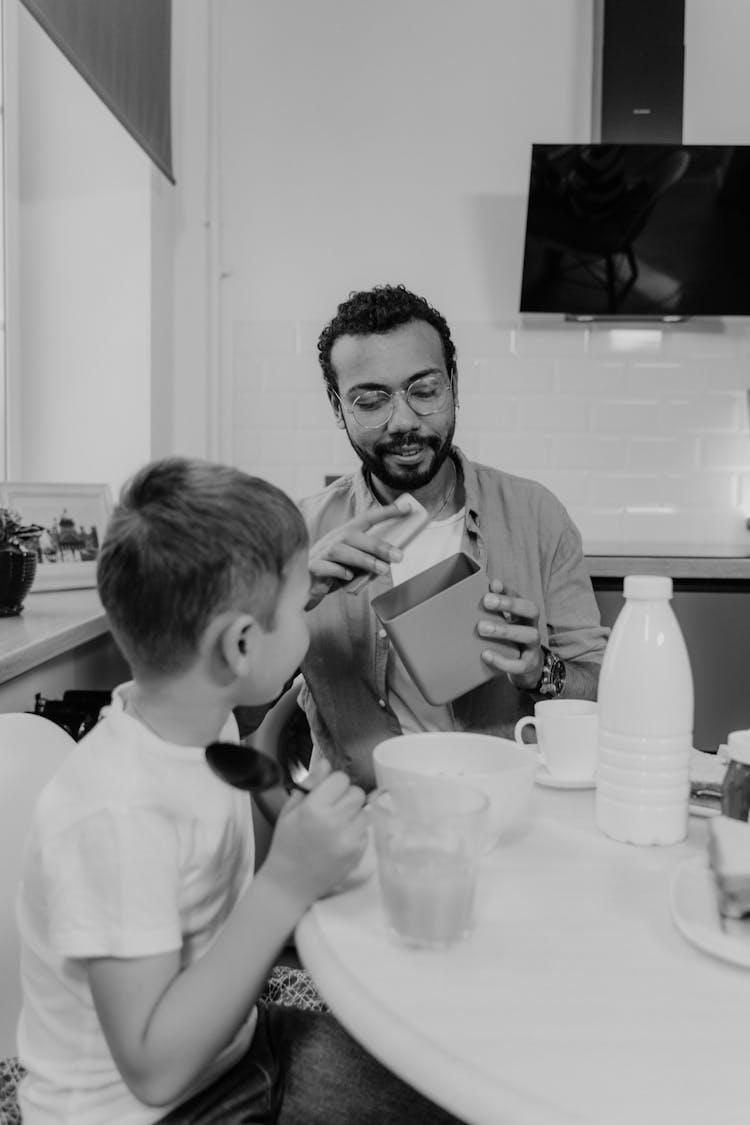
(642, 432)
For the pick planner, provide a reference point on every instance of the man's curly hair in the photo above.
(377, 311)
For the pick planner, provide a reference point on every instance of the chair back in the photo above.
(31, 749)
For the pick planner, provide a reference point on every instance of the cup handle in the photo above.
(526, 721)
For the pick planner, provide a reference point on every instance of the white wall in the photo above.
(323, 145)
(90, 248)
(360, 144)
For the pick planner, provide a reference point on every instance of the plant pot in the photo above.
(17, 572)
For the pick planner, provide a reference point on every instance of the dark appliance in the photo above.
(639, 70)
(638, 231)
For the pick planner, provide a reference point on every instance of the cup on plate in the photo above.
(427, 845)
(567, 736)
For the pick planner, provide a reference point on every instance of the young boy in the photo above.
(146, 938)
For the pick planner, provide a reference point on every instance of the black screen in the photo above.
(636, 230)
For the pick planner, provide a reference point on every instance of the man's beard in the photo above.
(405, 478)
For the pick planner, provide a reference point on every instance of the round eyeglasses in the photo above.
(373, 409)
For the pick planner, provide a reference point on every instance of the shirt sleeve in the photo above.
(111, 883)
(573, 619)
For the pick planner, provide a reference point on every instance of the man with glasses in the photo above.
(389, 366)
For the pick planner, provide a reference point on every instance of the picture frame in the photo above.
(74, 518)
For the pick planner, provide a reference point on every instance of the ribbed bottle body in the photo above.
(646, 714)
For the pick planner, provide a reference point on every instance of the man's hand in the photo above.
(518, 652)
(350, 549)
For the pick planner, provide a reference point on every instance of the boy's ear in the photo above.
(236, 642)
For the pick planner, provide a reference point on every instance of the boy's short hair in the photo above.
(187, 539)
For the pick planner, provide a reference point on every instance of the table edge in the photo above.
(391, 1042)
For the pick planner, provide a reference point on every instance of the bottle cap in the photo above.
(647, 586)
(738, 744)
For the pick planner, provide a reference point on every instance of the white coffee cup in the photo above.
(567, 735)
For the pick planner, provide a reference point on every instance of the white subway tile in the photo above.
(597, 525)
(468, 442)
(624, 489)
(478, 340)
(589, 377)
(694, 413)
(706, 340)
(702, 375)
(514, 452)
(627, 341)
(292, 372)
(272, 408)
(247, 373)
(486, 411)
(727, 452)
(308, 332)
(656, 454)
(699, 528)
(554, 413)
(558, 340)
(569, 488)
(644, 380)
(624, 416)
(699, 490)
(510, 375)
(313, 409)
(587, 452)
(743, 493)
(265, 337)
(470, 377)
(311, 479)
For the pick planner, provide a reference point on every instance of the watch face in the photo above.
(553, 675)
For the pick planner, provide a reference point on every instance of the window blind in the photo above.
(122, 48)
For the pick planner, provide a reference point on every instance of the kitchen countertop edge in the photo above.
(690, 567)
(50, 624)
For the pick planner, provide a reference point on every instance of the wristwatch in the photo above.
(552, 681)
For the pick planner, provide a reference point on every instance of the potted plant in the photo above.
(18, 558)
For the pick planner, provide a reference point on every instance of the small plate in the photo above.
(692, 904)
(544, 777)
(696, 809)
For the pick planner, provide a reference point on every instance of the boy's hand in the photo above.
(318, 838)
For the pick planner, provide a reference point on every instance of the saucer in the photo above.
(544, 777)
(692, 904)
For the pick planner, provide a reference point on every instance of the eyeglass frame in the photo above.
(404, 392)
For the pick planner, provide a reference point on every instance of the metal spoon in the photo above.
(244, 767)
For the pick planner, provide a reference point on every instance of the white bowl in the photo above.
(497, 766)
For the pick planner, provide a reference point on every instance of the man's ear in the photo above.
(336, 408)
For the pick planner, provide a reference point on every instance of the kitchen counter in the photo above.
(681, 561)
(60, 641)
(51, 623)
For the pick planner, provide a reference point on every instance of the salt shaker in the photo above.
(735, 788)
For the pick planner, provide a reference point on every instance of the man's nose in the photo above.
(403, 417)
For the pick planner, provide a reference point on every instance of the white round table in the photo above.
(576, 999)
